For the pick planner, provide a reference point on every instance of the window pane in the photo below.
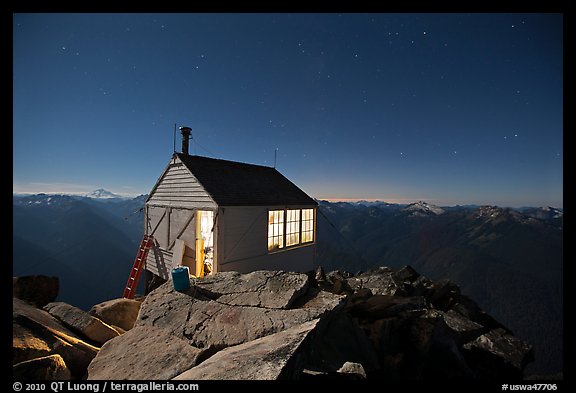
(275, 229)
(292, 227)
(307, 225)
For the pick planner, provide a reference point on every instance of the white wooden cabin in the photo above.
(216, 215)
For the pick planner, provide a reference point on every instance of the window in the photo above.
(290, 227)
(275, 229)
(307, 225)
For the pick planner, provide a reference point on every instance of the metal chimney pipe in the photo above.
(185, 138)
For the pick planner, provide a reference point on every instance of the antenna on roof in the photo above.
(174, 139)
(275, 153)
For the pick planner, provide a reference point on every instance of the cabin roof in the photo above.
(232, 183)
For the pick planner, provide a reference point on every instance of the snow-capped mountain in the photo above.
(528, 215)
(54, 200)
(488, 211)
(102, 194)
(545, 213)
(421, 208)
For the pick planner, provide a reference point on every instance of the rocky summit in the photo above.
(270, 325)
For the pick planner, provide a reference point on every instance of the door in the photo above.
(205, 243)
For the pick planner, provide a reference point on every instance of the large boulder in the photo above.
(432, 350)
(421, 329)
(209, 315)
(117, 312)
(444, 294)
(36, 333)
(498, 354)
(51, 367)
(383, 306)
(406, 274)
(470, 309)
(464, 329)
(37, 290)
(220, 311)
(82, 322)
(276, 324)
(263, 288)
(380, 281)
(338, 341)
(144, 353)
(267, 358)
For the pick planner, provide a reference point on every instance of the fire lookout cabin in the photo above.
(217, 215)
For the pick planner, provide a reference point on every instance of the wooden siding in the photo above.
(157, 221)
(243, 243)
(159, 262)
(179, 188)
(299, 259)
(243, 233)
(180, 218)
(170, 223)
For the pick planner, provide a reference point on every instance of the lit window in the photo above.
(292, 227)
(289, 228)
(275, 229)
(307, 225)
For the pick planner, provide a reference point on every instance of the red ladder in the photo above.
(136, 271)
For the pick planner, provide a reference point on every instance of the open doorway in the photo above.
(205, 243)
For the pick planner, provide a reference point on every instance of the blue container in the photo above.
(181, 278)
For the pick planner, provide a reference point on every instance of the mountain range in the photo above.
(87, 242)
(509, 260)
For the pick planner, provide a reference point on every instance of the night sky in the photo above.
(445, 108)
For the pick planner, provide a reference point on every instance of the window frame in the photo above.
(312, 228)
(288, 228)
(278, 230)
(293, 227)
